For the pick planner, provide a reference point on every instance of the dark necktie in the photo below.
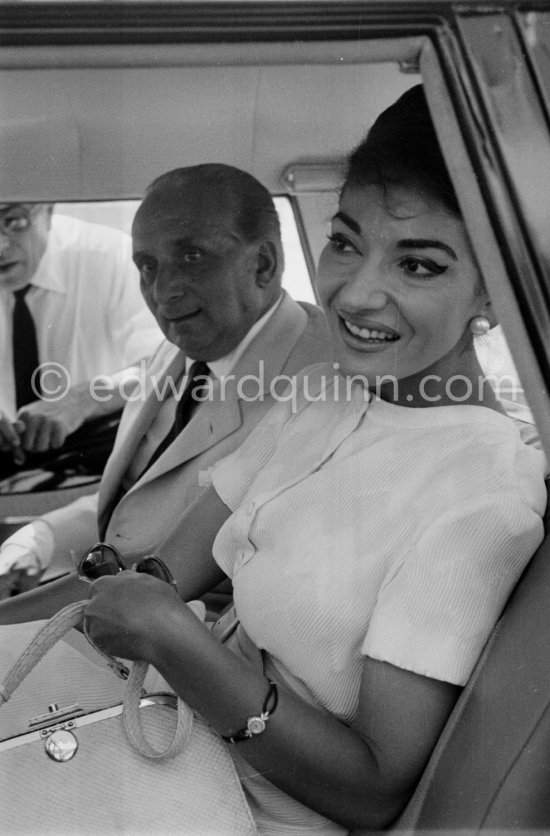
(25, 351)
(191, 396)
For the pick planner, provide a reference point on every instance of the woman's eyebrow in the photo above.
(353, 225)
(426, 243)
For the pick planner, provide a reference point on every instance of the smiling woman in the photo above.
(400, 284)
(398, 276)
(371, 544)
(374, 535)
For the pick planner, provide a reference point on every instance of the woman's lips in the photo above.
(373, 334)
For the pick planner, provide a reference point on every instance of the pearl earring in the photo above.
(479, 326)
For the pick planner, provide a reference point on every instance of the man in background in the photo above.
(207, 244)
(70, 308)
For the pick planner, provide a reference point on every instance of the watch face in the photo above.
(256, 725)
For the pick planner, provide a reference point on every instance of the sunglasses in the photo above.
(103, 559)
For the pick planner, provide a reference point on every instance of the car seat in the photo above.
(490, 770)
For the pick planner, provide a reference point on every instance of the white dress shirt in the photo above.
(86, 303)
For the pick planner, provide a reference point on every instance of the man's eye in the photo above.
(340, 244)
(147, 271)
(191, 256)
(422, 267)
(14, 223)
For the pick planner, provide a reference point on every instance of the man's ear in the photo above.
(267, 263)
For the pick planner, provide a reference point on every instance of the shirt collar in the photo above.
(48, 274)
(222, 367)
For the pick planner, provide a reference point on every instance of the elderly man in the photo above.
(70, 305)
(207, 245)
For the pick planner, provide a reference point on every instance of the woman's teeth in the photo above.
(368, 333)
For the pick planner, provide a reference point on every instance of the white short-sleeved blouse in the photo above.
(364, 528)
(360, 527)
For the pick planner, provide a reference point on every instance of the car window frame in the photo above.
(511, 256)
(454, 86)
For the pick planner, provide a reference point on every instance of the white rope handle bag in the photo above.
(75, 772)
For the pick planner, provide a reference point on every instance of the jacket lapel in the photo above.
(223, 413)
(266, 356)
(133, 433)
(210, 424)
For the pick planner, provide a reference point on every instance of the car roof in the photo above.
(100, 121)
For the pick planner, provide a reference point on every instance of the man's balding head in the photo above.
(208, 247)
(248, 201)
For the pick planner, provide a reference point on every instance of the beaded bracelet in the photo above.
(256, 725)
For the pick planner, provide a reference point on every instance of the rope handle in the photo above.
(133, 719)
(45, 639)
(60, 624)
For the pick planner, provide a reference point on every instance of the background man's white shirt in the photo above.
(85, 299)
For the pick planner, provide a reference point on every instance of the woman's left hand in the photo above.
(126, 614)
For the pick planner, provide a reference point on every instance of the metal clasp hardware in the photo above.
(58, 727)
(55, 715)
(60, 744)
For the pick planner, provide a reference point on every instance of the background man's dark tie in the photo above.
(25, 350)
(185, 407)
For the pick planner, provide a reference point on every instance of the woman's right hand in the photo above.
(127, 614)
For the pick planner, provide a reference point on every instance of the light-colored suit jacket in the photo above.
(295, 336)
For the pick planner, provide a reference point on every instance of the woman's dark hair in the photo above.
(402, 148)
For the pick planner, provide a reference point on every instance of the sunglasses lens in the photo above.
(154, 566)
(99, 561)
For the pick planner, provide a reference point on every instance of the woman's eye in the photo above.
(341, 244)
(422, 268)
